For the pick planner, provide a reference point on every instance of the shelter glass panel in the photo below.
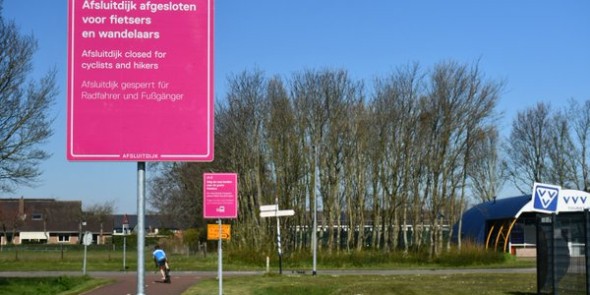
(561, 256)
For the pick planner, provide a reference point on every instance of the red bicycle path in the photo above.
(126, 284)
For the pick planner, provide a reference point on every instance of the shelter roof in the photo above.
(474, 219)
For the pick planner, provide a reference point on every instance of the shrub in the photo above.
(470, 254)
(191, 238)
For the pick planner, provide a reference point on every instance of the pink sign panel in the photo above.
(220, 195)
(140, 80)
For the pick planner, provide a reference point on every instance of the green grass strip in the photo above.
(455, 284)
(63, 285)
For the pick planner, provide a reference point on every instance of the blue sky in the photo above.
(540, 49)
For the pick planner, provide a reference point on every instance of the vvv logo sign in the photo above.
(546, 197)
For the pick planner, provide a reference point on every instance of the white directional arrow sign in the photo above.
(264, 208)
(273, 211)
(277, 213)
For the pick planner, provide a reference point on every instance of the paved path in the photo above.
(126, 284)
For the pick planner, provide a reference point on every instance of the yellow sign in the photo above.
(213, 232)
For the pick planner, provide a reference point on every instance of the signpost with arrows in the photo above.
(273, 211)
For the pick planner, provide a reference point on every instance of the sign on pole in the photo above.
(220, 195)
(140, 81)
(220, 200)
(87, 240)
(214, 234)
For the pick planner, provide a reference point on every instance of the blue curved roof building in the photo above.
(476, 218)
(498, 223)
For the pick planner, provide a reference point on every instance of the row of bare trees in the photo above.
(389, 167)
(403, 155)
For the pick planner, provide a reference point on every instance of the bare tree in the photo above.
(312, 121)
(460, 99)
(579, 115)
(99, 212)
(485, 173)
(285, 159)
(356, 175)
(339, 95)
(527, 147)
(396, 111)
(241, 123)
(173, 191)
(561, 152)
(25, 120)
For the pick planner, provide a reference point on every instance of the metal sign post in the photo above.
(273, 211)
(279, 247)
(124, 252)
(140, 227)
(125, 225)
(84, 263)
(86, 241)
(219, 232)
(220, 259)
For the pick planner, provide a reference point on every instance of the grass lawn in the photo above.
(100, 259)
(455, 284)
(48, 286)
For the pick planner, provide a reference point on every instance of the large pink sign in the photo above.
(140, 80)
(220, 195)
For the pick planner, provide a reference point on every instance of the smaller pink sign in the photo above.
(220, 195)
